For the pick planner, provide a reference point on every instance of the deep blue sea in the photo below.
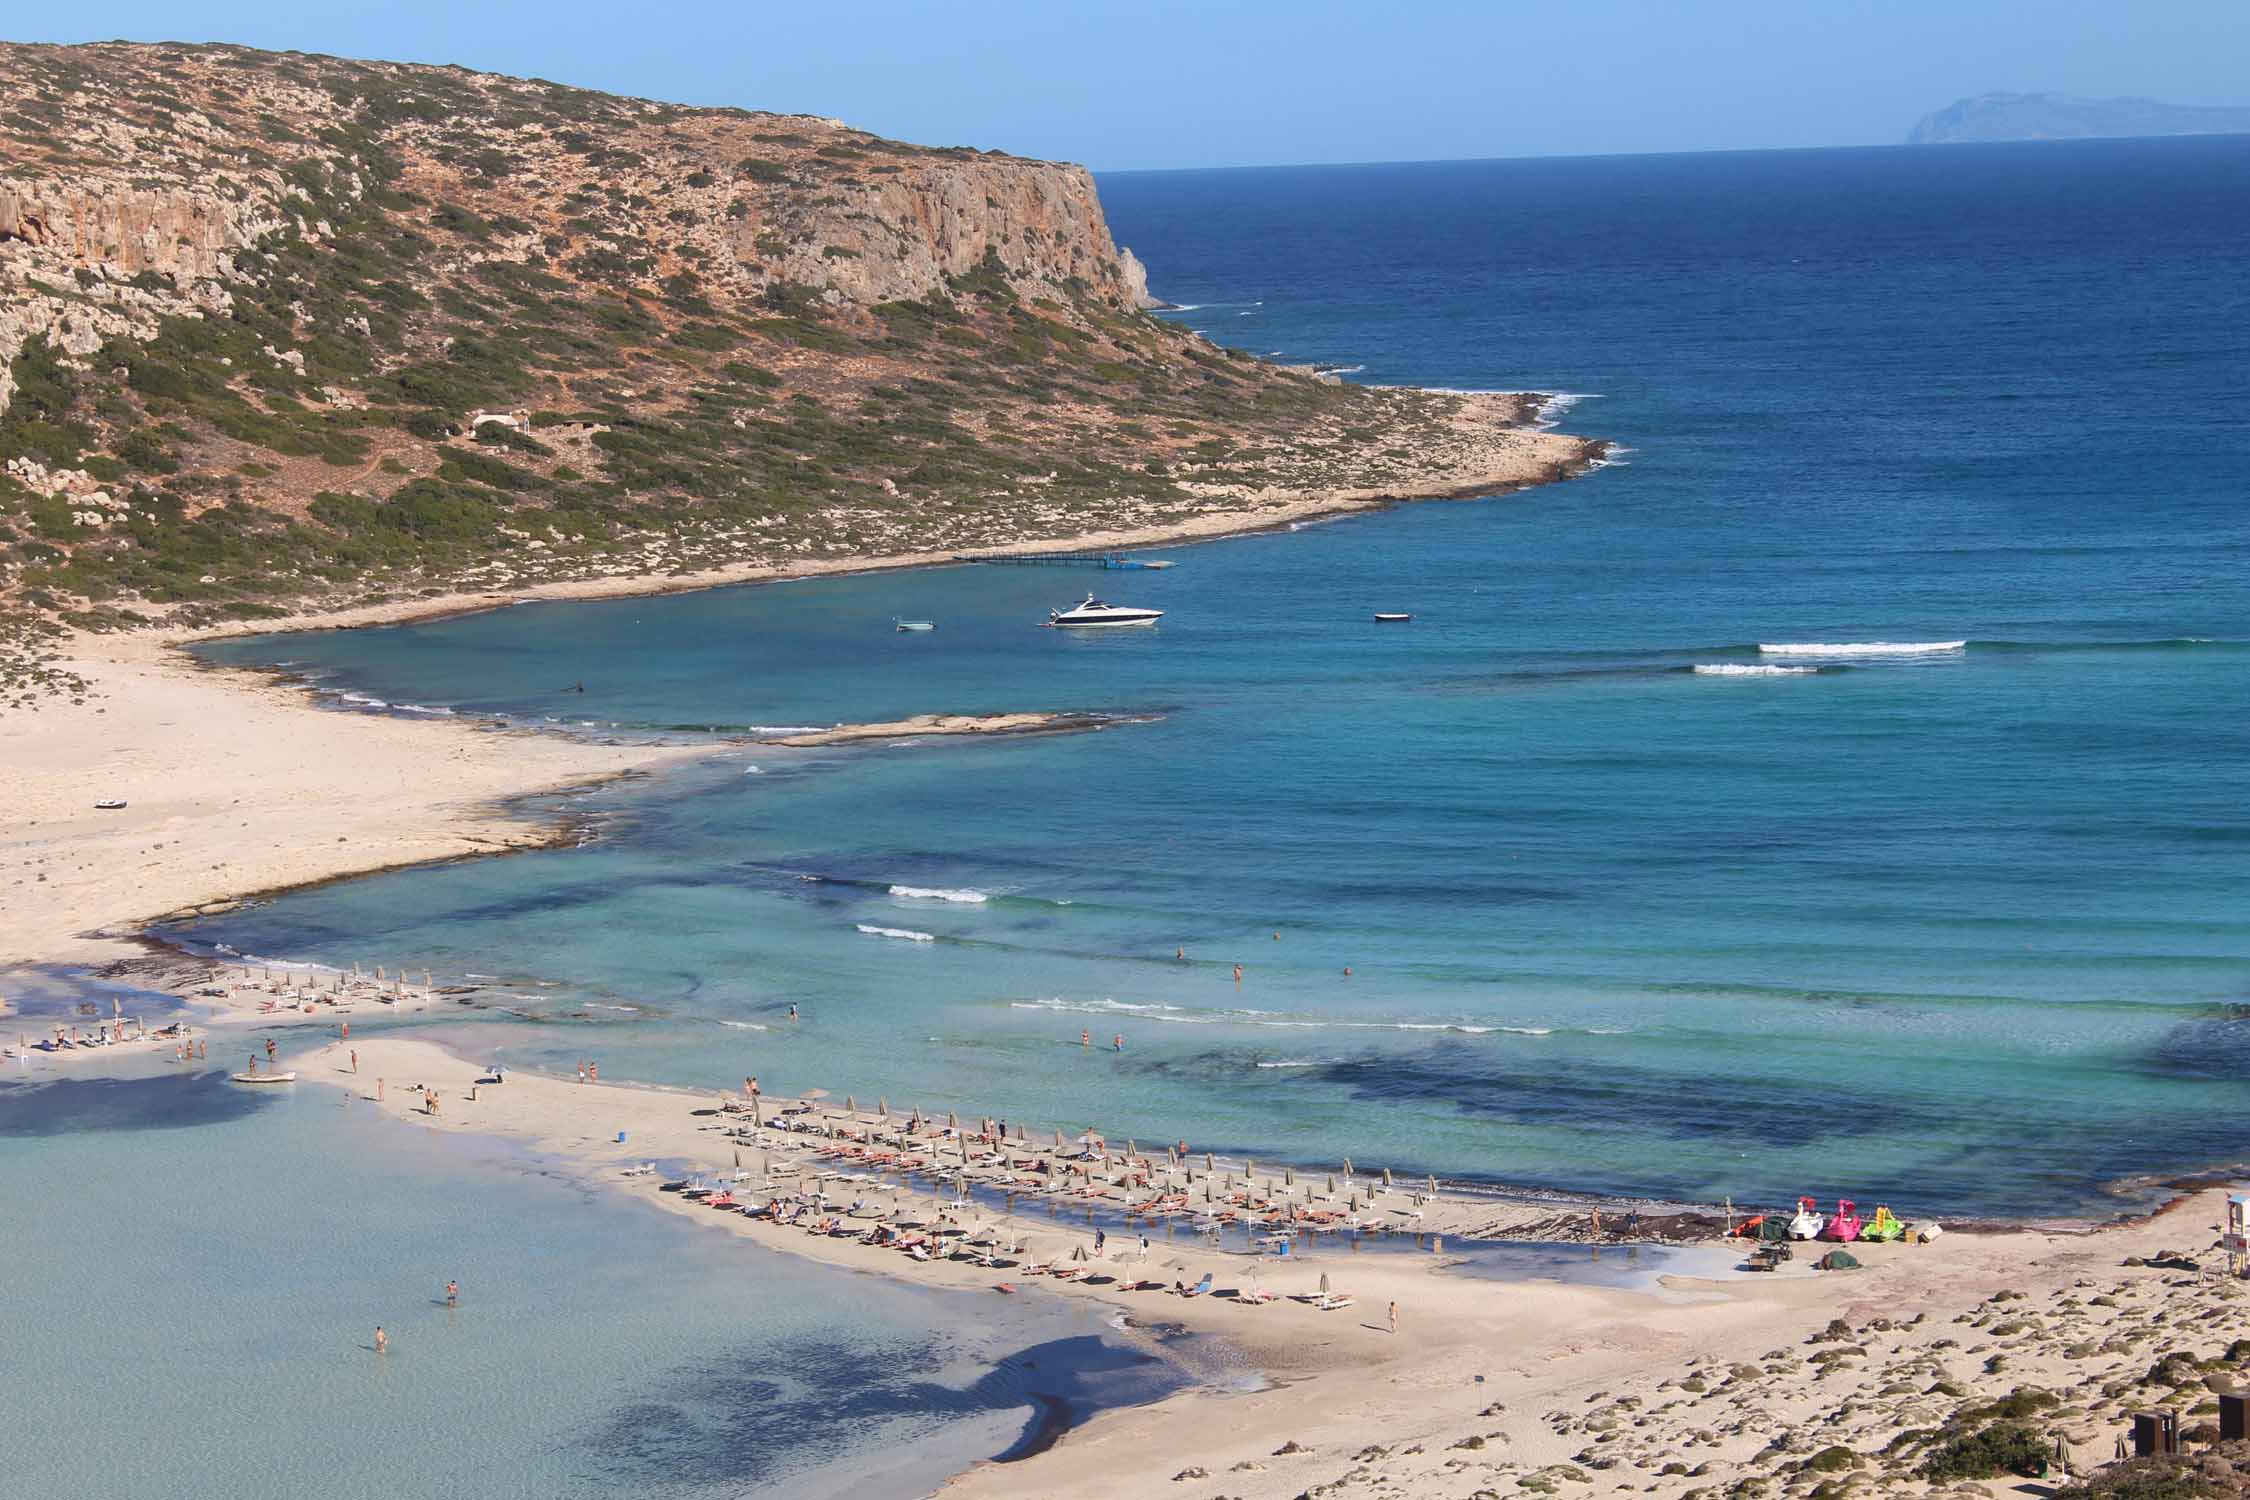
(1954, 918)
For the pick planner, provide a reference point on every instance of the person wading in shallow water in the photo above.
(382, 1340)
(453, 1294)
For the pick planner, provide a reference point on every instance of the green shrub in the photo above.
(2003, 1448)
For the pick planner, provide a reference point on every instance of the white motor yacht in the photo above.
(1095, 612)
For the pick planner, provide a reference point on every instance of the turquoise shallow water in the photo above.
(192, 1301)
(1961, 928)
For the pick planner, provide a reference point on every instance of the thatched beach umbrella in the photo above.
(883, 1108)
(851, 1103)
(952, 1120)
(1324, 1283)
(1208, 1164)
(1347, 1168)
(1433, 1184)
(1387, 1177)
(1058, 1140)
(1288, 1176)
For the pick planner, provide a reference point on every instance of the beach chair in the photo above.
(1201, 1288)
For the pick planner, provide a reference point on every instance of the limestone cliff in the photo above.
(277, 327)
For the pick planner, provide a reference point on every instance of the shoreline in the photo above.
(449, 788)
(1487, 1380)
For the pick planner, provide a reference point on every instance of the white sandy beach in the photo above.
(1488, 1387)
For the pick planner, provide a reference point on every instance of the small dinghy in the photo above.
(914, 624)
(263, 1077)
(110, 804)
(1383, 619)
(1806, 1224)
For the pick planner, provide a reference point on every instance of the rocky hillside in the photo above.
(2065, 117)
(288, 330)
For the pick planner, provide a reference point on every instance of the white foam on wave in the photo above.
(752, 771)
(1747, 669)
(939, 893)
(1294, 1062)
(1551, 410)
(364, 700)
(744, 1025)
(1148, 1011)
(907, 934)
(1860, 648)
(789, 728)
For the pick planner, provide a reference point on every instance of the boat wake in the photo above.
(905, 934)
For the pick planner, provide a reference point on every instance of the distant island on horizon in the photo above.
(2065, 117)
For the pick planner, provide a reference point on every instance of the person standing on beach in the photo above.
(378, 1090)
(593, 1072)
(1394, 1319)
(581, 1070)
(382, 1340)
(355, 1059)
(1101, 1238)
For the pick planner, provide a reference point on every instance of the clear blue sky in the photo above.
(1162, 84)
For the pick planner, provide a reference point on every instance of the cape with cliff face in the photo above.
(283, 332)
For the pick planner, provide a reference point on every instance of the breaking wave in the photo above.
(939, 893)
(1861, 648)
(1745, 669)
(905, 933)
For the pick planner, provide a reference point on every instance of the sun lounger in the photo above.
(1200, 1289)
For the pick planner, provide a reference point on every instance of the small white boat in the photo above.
(1383, 619)
(914, 624)
(263, 1077)
(110, 804)
(1094, 612)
